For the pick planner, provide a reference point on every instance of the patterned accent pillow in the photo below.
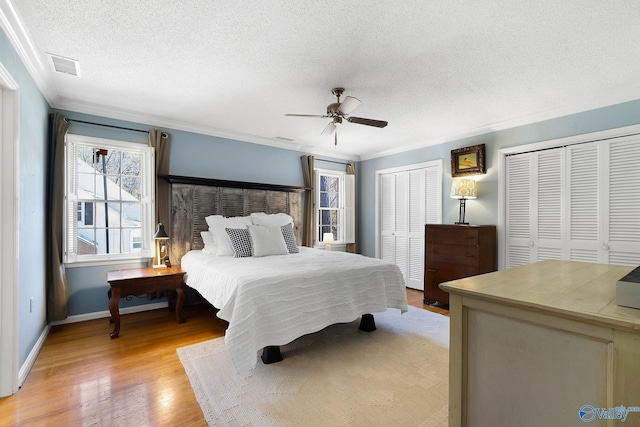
(290, 238)
(241, 241)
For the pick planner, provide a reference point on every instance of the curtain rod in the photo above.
(164, 134)
(333, 161)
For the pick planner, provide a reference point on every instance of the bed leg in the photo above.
(367, 323)
(271, 354)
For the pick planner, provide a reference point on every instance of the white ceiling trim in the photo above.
(134, 117)
(510, 124)
(19, 38)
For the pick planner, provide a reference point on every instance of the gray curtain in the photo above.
(353, 247)
(309, 202)
(159, 140)
(57, 290)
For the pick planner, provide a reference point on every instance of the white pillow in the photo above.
(273, 220)
(212, 218)
(209, 242)
(217, 227)
(267, 241)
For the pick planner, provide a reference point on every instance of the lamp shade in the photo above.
(464, 189)
(327, 238)
(160, 233)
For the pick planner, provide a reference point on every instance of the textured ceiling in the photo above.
(435, 70)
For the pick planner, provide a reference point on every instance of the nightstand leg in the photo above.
(115, 312)
(180, 295)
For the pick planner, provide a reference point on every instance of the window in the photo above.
(334, 202)
(108, 189)
(85, 213)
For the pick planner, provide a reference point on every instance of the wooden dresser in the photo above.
(453, 252)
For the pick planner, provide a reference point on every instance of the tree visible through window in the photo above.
(108, 182)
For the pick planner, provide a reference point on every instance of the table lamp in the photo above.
(161, 238)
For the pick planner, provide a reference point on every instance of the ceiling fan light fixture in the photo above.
(342, 110)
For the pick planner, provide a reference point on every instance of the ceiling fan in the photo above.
(339, 111)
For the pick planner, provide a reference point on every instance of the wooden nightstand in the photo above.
(140, 281)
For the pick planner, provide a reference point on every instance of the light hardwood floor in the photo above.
(84, 378)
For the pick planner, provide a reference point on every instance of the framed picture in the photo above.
(468, 161)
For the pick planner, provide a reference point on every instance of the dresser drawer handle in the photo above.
(431, 270)
(469, 255)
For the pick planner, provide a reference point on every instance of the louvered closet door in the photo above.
(622, 216)
(416, 212)
(394, 227)
(584, 188)
(408, 200)
(401, 232)
(577, 203)
(548, 223)
(518, 210)
(387, 217)
(535, 228)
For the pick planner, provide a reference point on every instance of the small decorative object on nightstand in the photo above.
(327, 239)
(145, 281)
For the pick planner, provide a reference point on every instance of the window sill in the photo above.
(113, 261)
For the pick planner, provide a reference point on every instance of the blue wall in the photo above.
(32, 166)
(483, 210)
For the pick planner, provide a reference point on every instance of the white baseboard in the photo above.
(33, 355)
(35, 351)
(102, 314)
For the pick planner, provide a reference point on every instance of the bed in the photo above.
(271, 300)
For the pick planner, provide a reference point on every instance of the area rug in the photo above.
(340, 376)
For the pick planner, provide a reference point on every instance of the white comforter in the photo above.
(275, 299)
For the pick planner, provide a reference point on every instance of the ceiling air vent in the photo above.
(285, 139)
(65, 65)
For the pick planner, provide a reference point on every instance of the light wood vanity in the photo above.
(534, 345)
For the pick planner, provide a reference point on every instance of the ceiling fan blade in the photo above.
(331, 127)
(306, 115)
(348, 105)
(368, 122)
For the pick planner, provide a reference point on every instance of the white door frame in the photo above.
(9, 209)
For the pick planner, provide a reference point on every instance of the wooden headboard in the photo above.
(193, 199)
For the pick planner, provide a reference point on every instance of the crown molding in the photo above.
(19, 37)
(593, 104)
(165, 123)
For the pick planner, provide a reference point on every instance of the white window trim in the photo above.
(147, 202)
(346, 215)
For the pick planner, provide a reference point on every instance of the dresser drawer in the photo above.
(434, 275)
(452, 254)
(453, 236)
